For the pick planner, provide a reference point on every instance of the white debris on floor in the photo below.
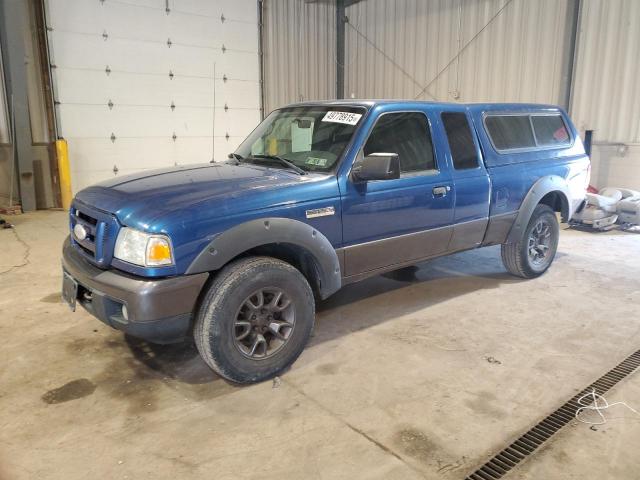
(610, 207)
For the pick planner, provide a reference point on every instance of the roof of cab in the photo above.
(368, 103)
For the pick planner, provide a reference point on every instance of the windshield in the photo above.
(311, 137)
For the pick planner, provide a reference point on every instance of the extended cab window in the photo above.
(406, 134)
(509, 132)
(460, 138)
(550, 130)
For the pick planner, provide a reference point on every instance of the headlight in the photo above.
(144, 249)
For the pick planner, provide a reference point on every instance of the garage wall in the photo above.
(606, 96)
(6, 160)
(6, 157)
(30, 166)
(511, 50)
(134, 81)
(299, 51)
(5, 124)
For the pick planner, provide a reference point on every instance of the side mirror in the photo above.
(377, 166)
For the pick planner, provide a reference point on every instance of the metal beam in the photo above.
(13, 24)
(261, 55)
(575, 10)
(340, 47)
(42, 44)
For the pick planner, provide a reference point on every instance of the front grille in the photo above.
(85, 250)
(83, 216)
(101, 230)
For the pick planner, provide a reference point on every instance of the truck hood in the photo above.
(221, 189)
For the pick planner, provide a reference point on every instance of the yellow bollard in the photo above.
(64, 173)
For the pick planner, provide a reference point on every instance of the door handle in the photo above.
(441, 191)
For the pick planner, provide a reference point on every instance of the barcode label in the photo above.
(342, 117)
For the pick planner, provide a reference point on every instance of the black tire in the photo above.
(516, 257)
(215, 330)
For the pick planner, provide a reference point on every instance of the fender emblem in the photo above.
(320, 212)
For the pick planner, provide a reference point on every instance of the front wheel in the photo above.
(255, 319)
(533, 254)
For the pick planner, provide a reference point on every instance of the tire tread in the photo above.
(512, 253)
(238, 271)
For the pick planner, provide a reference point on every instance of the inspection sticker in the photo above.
(320, 162)
(342, 117)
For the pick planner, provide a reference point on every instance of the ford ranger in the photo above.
(235, 254)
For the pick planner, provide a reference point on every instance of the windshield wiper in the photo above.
(283, 161)
(235, 156)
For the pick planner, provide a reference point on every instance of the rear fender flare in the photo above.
(543, 186)
(255, 233)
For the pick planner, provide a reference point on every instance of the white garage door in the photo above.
(134, 81)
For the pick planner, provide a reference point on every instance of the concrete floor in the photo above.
(421, 374)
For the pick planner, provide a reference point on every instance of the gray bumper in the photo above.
(158, 310)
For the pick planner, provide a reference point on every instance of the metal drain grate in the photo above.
(524, 446)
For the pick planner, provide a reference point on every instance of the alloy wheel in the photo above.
(264, 323)
(539, 242)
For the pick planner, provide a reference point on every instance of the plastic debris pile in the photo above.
(610, 207)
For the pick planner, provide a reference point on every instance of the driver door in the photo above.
(394, 222)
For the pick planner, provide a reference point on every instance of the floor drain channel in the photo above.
(524, 446)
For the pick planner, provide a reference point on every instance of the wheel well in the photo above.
(558, 202)
(295, 255)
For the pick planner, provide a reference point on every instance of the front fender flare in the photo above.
(255, 233)
(543, 186)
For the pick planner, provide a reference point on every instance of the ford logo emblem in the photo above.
(80, 232)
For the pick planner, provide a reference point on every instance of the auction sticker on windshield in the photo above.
(320, 162)
(342, 117)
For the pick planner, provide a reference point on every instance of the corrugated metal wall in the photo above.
(6, 150)
(36, 190)
(512, 50)
(606, 96)
(299, 40)
(5, 136)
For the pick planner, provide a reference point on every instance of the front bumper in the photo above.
(159, 310)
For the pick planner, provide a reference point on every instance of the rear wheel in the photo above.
(255, 319)
(533, 254)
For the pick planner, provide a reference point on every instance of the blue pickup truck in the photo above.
(236, 253)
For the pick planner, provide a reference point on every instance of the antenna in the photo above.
(213, 120)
